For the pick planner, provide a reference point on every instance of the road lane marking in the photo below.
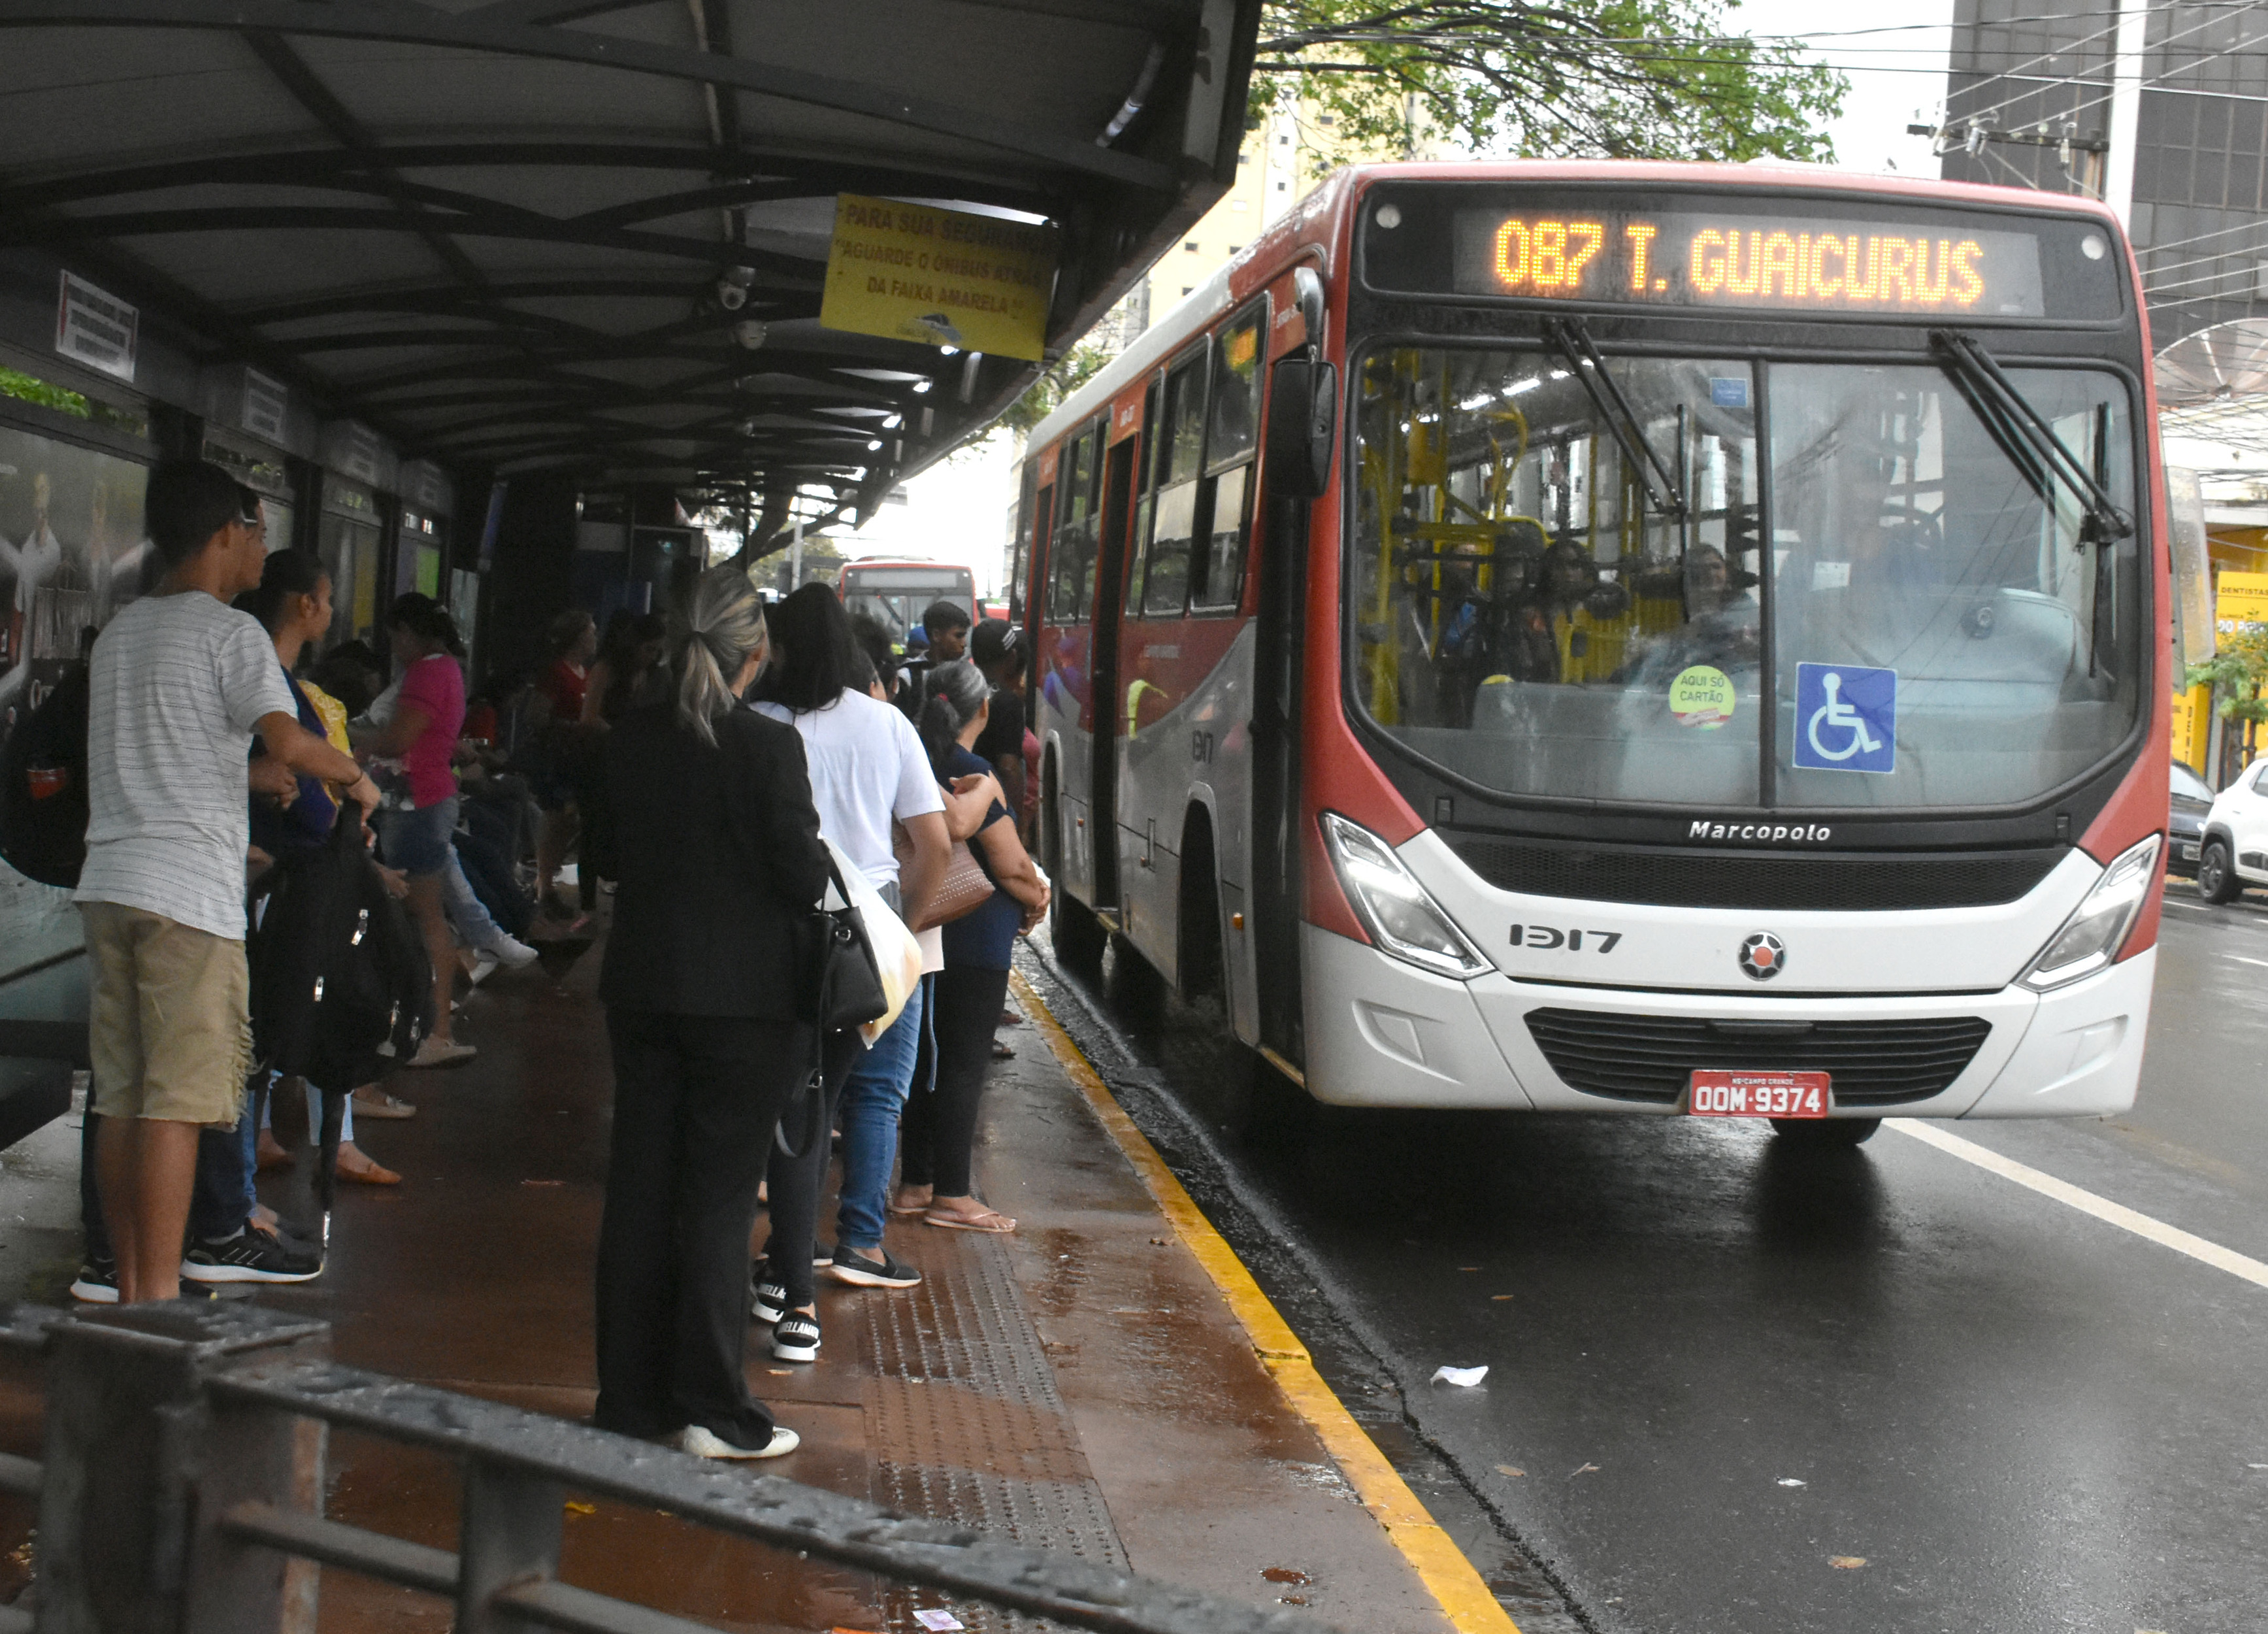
(1441, 1565)
(2086, 1202)
(2240, 959)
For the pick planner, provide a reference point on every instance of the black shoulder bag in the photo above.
(843, 991)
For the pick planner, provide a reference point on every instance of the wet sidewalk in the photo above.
(1084, 1385)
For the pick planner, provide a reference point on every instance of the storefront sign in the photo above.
(942, 277)
(264, 404)
(2239, 602)
(96, 329)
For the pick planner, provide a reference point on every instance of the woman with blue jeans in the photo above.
(428, 712)
(867, 769)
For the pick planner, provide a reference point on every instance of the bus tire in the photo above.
(1079, 936)
(1825, 1133)
(1279, 1115)
(2216, 875)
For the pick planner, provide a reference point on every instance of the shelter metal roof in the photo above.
(501, 232)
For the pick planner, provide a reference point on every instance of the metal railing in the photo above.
(182, 1491)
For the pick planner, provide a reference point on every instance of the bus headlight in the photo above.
(2092, 936)
(1403, 919)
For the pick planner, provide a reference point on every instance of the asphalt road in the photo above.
(1735, 1389)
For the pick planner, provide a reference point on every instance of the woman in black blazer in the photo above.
(720, 863)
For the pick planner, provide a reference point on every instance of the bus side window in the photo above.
(1175, 524)
(1071, 576)
(1145, 490)
(1231, 431)
(1031, 553)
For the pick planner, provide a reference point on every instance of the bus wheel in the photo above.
(1079, 936)
(1203, 985)
(1826, 1134)
(2216, 876)
(1279, 1115)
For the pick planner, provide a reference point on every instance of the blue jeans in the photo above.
(873, 1098)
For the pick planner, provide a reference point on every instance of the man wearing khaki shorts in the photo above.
(180, 684)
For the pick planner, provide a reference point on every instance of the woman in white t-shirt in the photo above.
(867, 770)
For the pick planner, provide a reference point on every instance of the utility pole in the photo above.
(795, 560)
(2125, 107)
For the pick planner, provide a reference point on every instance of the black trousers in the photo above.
(937, 1137)
(794, 1184)
(696, 1098)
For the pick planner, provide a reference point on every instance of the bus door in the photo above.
(1109, 610)
(1282, 520)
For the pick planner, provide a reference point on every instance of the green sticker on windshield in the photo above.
(1702, 696)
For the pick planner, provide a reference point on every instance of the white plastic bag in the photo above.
(898, 956)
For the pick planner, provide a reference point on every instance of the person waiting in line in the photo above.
(351, 673)
(939, 1128)
(417, 830)
(181, 682)
(628, 674)
(874, 639)
(943, 636)
(938, 1138)
(997, 649)
(867, 769)
(574, 643)
(717, 841)
(293, 604)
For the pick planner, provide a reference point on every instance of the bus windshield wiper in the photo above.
(1663, 494)
(2026, 437)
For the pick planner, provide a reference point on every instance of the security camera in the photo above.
(750, 332)
(732, 288)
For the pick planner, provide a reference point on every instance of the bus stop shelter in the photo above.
(429, 277)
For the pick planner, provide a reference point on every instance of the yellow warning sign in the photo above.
(2239, 600)
(943, 278)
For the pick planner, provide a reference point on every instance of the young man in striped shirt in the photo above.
(180, 684)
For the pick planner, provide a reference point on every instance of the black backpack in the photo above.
(338, 968)
(43, 799)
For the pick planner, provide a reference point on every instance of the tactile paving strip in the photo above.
(963, 1414)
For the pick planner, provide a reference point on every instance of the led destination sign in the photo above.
(1723, 259)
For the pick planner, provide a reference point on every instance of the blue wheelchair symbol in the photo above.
(1846, 718)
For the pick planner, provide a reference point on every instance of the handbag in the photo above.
(865, 965)
(965, 888)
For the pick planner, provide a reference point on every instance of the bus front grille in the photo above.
(1664, 878)
(1879, 1062)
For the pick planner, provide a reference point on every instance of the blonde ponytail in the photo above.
(722, 626)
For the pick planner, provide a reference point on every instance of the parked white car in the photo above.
(2234, 853)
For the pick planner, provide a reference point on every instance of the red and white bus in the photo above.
(1626, 637)
(898, 593)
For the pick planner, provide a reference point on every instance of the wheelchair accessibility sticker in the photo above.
(1846, 718)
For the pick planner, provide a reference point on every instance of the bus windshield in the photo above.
(1933, 624)
(898, 596)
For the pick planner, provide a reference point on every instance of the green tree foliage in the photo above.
(2236, 673)
(29, 389)
(1048, 393)
(1583, 78)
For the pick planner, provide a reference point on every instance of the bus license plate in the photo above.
(1758, 1095)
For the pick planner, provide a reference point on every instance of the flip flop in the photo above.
(991, 1222)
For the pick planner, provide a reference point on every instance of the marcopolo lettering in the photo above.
(1761, 833)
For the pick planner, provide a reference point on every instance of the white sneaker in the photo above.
(512, 953)
(434, 1052)
(484, 965)
(704, 1443)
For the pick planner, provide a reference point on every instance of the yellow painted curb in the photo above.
(1439, 1564)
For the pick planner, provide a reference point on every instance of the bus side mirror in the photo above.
(1302, 425)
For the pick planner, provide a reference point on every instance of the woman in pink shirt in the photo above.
(416, 826)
